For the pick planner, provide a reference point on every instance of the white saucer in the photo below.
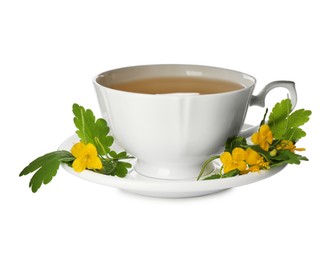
(142, 185)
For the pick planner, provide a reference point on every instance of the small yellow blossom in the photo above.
(288, 145)
(236, 160)
(86, 157)
(263, 137)
(255, 161)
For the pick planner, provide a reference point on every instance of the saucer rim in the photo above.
(136, 183)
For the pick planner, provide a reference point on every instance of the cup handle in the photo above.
(259, 100)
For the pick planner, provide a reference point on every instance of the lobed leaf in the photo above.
(286, 156)
(120, 156)
(294, 134)
(278, 118)
(44, 174)
(91, 130)
(298, 118)
(284, 124)
(46, 168)
(121, 170)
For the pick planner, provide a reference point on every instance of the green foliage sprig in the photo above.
(93, 152)
(273, 145)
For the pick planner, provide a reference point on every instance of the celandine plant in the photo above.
(93, 152)
(272, 145)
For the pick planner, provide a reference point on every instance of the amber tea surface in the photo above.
(168, 85)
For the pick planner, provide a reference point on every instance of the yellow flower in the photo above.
(288, 145)
(263, 137)
(86, 157)
(236, 160)
(255, 161)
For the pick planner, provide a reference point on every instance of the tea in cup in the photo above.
(174, 117)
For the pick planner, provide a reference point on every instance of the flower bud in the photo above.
(273, 153)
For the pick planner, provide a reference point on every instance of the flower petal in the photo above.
(256, 138)
(238, 154)
(79, 164)
(265, 145)
(78, 149)
(229, 167)
(225, 157)
(94, 163)
(252, 157)
(92, 150)
(241, 165)
(264, 129)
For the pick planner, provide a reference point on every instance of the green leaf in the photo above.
(114, 167)
(232, 173)
(108, 167)
(120, 156)
(284, 124)
(278, 118)
(91, 130)
(213, 177)
(277, 164)
(121, 170)
(263, 153)
(286, 156)
(294, 134)
(46, 168)
(234, 142)
(298, 118)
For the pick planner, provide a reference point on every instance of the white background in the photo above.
(49, 52)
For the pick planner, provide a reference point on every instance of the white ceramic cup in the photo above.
(172, 135)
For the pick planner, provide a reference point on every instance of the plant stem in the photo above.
(205, 164)
(102, 147)
(83, 126)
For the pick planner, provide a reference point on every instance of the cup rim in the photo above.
(94, 79)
